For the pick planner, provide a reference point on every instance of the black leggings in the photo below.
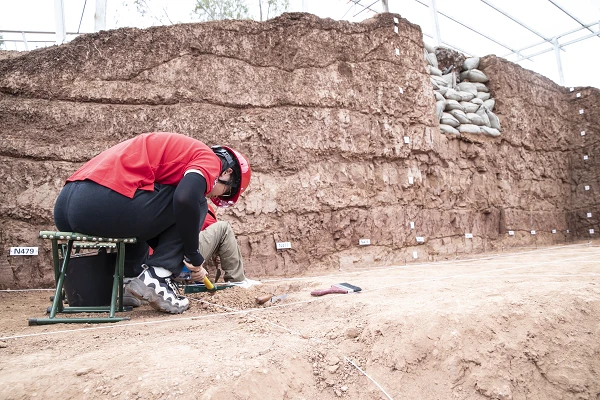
(90, 208)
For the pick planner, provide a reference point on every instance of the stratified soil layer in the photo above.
(338, 122)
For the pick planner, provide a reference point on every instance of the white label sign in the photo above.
(410, 180)
(406, 139)
(578, 94)
(23, 251)
(586, 187)
(420, 239)
(401, 90)
(511, 233)
(397, 52)
(589, 215)
(585, 157)
(364, 242)
(582, 133)
(580, 111)
(415, 254)
(533, 232)
(396, 29)
(591, 231)
(396, 20)
(567, 231)
(553, 230)
(283, 245)
(412, 225)
(469, 235)
(571, 89)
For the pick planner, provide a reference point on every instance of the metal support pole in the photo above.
(384, 6)
(25, 41)
(436, 25)
(100, 16)
(59, 14)
(561, 77)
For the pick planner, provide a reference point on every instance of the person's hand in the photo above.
(198, 273)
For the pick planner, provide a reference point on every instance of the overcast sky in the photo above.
(545, 20)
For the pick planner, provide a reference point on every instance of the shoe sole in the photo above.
(143, 292)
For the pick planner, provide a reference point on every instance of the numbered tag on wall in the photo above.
(511, 233)
(533, 232)
(468, 235)
(364, 242)
(283, 245)
(23, 251)
(420, 239)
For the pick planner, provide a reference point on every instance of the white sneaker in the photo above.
(161, 293)
(246, 283)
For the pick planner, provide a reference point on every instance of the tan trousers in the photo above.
(219, 239)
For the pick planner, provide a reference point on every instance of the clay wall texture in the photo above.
(316, 106)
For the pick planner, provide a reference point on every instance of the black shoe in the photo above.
(160, 293)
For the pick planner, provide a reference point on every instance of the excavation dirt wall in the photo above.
(338, 122)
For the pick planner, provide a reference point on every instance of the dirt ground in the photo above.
(517, 325)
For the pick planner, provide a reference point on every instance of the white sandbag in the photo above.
(439, 80)
(450, 79)
(434, 71)
(425, 53)
(477, 101)
(490, 104)
(438, 96)
(429, 48)
(494, 120)
(464, 75)
(475, 119)
(448, 119)
(449, 130)
(432, 60)
(442, 90)
(453, 105)
(483, 115)
(469, 128)
(471, 63)
(460, 116)
(481, 87)
(452, 94)
(434, 84)
(468, 87)
(466, 96)
(493, 132)
(475, 75)
(469, 106)
(483, 96)
(439, 108)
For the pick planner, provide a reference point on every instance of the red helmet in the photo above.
(242, 173)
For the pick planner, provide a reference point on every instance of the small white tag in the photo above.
(591, 231)
(397, 52)
(412, 225)
(578, 94)
(511, 233)
(589, 215)
(571, 89)
(410, 180)
(401, 90)
(396, 29)
(283, 245)
(420, 239)
(415, 254)
(23, 251)
(364, 242)
(468, 235)
(567, 231)
(585, 157)
(582, 133)
(396, 20)
(533, 232)
(580, 111)
(406, 139)
(586, 187)
(553, 230)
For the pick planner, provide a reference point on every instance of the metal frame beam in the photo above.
(59, 15)
(569, 14)
(435, 22)
(560, 45)
(100, 16)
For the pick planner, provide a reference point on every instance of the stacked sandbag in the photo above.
(463, 101)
